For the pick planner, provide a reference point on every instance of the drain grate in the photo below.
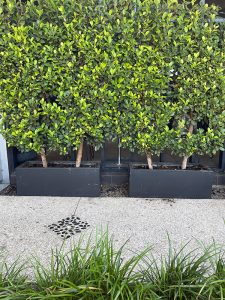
(68, 226)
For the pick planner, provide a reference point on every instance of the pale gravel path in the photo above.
(143, 221)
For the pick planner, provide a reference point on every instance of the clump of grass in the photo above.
(214, 286)
(98, 271)
(92, 272)
(180, 275)
(11, 279)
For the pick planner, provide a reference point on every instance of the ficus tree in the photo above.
(101, 42)
(199, 83)
(177, 101)
(146, 110)
(46, 95)
(29, 76)
(80, 83)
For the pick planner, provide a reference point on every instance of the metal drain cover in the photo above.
(68, 226)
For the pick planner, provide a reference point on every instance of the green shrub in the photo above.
(30, 72)
(150, 73)
(199, 83)
(174, 93)
(47, 94)
(145, 109)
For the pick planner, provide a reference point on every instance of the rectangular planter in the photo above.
(158, 183)
(65, 181)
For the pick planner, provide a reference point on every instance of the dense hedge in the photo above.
(149, 72)
(199, 84)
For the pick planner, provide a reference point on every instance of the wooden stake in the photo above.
(79, 155)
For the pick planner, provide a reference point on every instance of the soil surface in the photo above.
(58, 164)
(169, 167)
(218, 191)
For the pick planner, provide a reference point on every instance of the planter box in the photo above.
(170, 183)
(59, 179)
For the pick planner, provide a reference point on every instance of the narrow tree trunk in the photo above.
(184, 163)
(185, 158)
(79, 155)
(149, 160)
(43, 158)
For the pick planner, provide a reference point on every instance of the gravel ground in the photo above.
(114, 191)
(24, 223)
(218, 191)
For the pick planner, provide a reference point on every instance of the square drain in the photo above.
(68, 226)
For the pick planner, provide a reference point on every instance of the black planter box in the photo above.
(66, 181)
(169, 183)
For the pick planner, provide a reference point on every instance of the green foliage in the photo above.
(199, 83)
(174, 95)
(47, 95)
(145, 109)
(98, 271)
(149, 72)
(95, 271)
(11, 279)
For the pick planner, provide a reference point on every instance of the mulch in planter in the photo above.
(59, 164)
(169, 167)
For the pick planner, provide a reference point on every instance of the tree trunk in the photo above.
(43, 158)
(185, 158)
(149, 160)
(184, 163)
(79, 155)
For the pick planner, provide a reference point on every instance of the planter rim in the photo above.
(68, 165)
(133, 165)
